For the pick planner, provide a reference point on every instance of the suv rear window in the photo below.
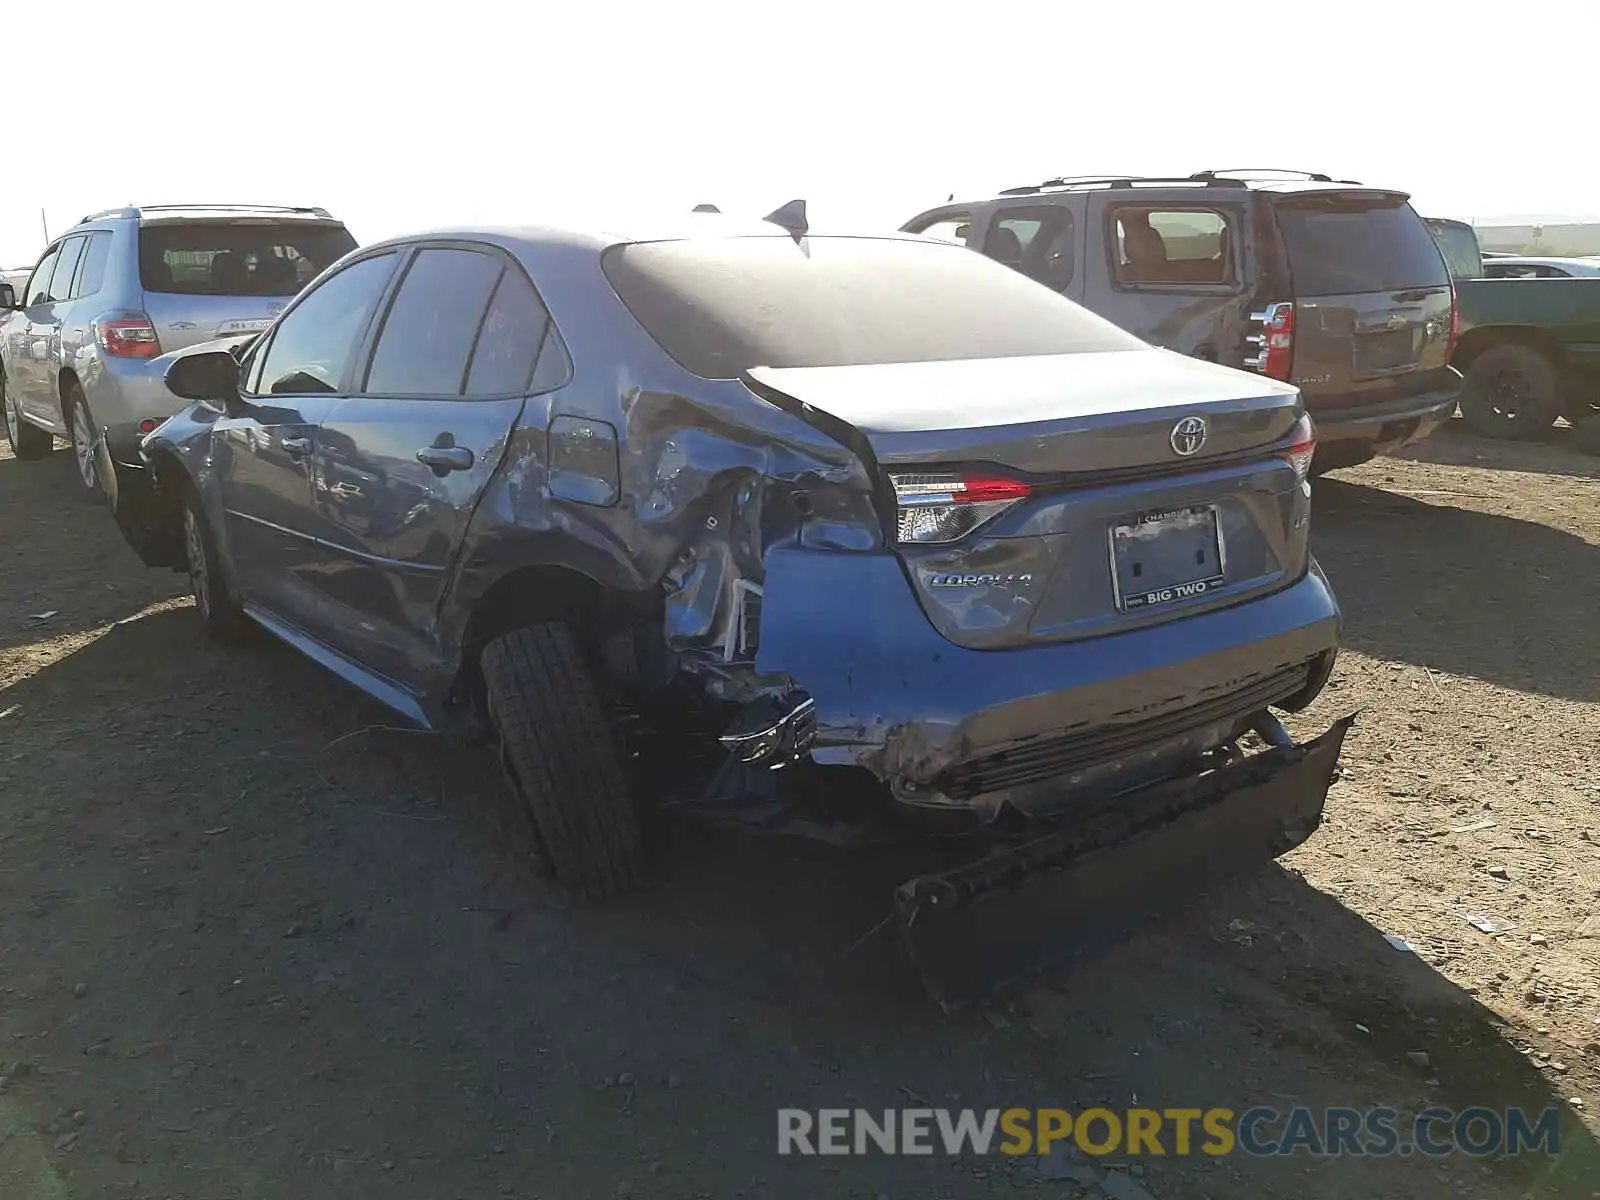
(1342, 245)
(723, 306)
(230, 258)
(1459, 246)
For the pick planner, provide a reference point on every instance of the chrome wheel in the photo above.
(195, 551)
(83, 446)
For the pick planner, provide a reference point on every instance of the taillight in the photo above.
(1276, 340)
(1303, 447)
(127, 335)
(945, 507)
(1455, 323)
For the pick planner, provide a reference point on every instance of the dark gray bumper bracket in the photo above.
(1037, 903)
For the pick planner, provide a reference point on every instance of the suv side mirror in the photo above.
(8, 297)
(212, 378)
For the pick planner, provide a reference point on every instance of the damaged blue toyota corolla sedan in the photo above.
(842, 501)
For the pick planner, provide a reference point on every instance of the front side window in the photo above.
(313, 345)
(1171, 246)
(39, 283)
(1037, 241)
(430, 328)
(949, 229)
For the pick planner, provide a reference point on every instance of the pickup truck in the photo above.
(1529, 348)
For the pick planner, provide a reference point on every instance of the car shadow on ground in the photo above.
(1556, 453)
(1461, 591)
(240, 816)
(64, 561)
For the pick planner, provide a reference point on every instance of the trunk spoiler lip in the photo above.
(843, 432)
(860, 442)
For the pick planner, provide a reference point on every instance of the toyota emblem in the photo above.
(1188, 435)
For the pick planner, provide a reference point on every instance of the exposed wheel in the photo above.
(562, 754)
(220, 613)
(88, 448)
(27, 441)
(1511, 392)
(1588, 434)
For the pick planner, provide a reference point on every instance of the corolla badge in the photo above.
(954, 579)
(1188, 435)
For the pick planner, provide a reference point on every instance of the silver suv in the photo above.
(124, 286)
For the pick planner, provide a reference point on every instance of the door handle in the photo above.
(296, 446)
(445, 456)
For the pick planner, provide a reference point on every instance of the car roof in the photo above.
(1199, 183)
(598, 236)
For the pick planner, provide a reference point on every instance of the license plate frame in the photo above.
(1189, 530)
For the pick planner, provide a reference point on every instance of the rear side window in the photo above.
(1172, 246)
(1039, 242)
(722, 306)
(67, 267)
(237, 258)
(92, 275)
(1339, 246)
(1459, 245)
(431, 326)
(514, 330)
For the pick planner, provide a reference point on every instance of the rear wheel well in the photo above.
(1477, 341)
(538, 595)
(66, 383)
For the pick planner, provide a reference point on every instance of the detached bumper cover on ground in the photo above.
(1021, 909)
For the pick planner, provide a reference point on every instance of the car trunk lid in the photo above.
(1108, 490)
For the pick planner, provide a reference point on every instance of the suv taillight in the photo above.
(1303, 448)
(127, 335)
(1276, 341)
(944, 507)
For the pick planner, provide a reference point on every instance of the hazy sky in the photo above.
(406, 115)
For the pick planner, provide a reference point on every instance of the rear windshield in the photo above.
(1460, 248)
(1339, 245)
(723, 306)
(259, 258)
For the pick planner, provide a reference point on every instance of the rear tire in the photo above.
(220, 614)
(28, 442)
(563, 758)
(1511, 392)
(1588, 434)
(88, 446)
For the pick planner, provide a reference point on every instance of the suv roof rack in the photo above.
(1119, 181)
(1265, 173)
(138, 210)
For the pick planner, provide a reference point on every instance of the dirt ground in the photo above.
(251, 946)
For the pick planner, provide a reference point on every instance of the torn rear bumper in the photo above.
(1034, 904)
(1048, 726)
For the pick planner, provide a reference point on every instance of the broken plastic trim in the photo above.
(1031, 905)
(773, 733)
